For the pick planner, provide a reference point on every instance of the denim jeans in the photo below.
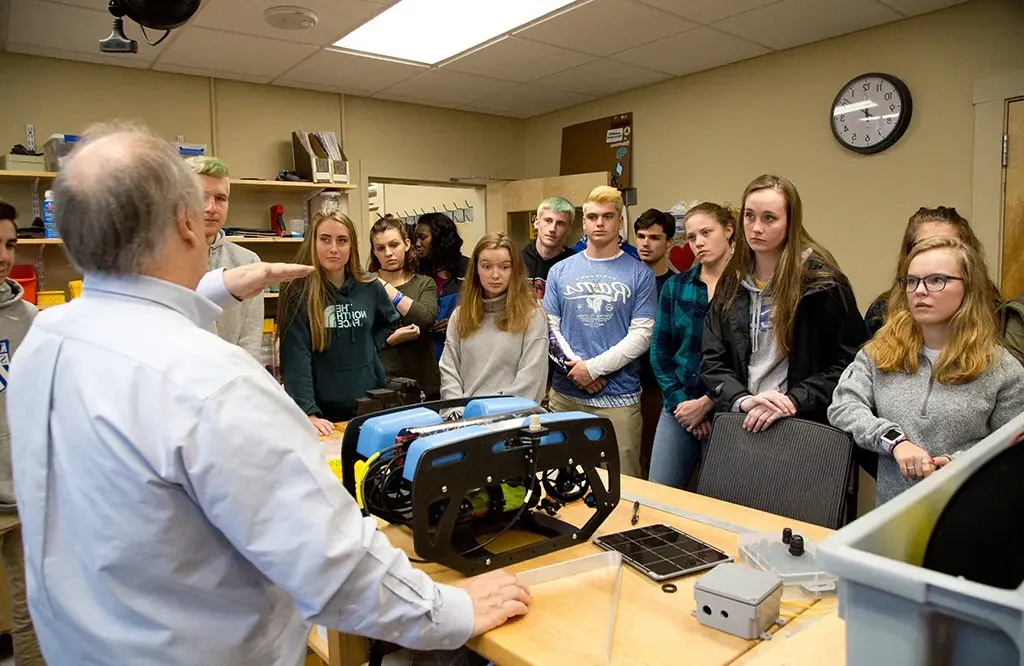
(675, 453)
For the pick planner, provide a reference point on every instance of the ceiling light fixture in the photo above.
(430, 31)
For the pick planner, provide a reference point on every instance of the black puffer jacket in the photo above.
(828, 330)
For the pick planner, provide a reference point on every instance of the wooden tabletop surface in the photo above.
(568, 620)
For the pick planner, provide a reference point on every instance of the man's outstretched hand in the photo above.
(497, 597)
(252, 279)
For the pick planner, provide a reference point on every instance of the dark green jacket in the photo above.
(327, 383)
(415, 359)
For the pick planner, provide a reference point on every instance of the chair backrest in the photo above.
(799, 469)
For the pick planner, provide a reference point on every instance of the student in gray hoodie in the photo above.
(934, 380)
(784, 322)
(15, 318)
(242, 323)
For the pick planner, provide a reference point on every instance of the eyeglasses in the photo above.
(931, 282)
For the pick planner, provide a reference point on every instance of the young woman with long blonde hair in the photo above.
(935, 379)
(497, 340)
(784, 322)
(332, 324)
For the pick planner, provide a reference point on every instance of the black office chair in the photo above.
(799, 469)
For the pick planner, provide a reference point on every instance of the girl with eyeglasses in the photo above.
(934, 380)
(940, 222)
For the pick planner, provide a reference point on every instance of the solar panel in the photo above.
(662, 552)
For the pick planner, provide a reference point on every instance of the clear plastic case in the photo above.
(766, 551)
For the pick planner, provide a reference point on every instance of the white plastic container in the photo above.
(765, 551)
(897, 612)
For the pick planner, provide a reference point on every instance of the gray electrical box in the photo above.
(737, 600)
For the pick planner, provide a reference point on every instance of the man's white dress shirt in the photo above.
(175, 503)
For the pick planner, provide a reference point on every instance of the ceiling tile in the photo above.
(229, 53)
(211, 73)
(603, 27)
(441, 85)
(603, 77)
(98, 58)
(707, 11)
(347, 71)
(914, 7)
(692, 51)
(405, 99)
(322, 88)
(796, 22)
(519, 60)
(528, 101)
(69, 28)
(336, 18)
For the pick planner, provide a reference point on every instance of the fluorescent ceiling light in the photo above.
(856, 106)
(429, 31)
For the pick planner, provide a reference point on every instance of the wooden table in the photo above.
(568, 619)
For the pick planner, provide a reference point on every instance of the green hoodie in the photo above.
(327, 383)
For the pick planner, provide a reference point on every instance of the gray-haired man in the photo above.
(242, 323)
(215, 532)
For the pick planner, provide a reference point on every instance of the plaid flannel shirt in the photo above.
(675, 349)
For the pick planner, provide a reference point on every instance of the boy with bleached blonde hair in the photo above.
(602, 302)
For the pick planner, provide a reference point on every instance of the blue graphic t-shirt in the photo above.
(596, 299)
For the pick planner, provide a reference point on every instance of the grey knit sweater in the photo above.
(15, 318)
(241, 323)
(494, 362)
(942, 419)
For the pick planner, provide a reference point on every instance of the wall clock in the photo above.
(871, 113)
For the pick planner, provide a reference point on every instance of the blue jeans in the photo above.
(675, 453)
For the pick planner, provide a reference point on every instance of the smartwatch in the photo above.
(891, 437)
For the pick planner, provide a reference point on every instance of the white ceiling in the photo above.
(596, 48)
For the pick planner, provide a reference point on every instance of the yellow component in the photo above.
(335, 465)
(45, 299)
(75, 288)
(360, 471)
(269, 326)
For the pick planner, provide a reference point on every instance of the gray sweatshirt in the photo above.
(494, 362)
(241, 323)
(769, 368)
(15, 318)
(943, 419)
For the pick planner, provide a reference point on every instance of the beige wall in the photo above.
(249, 126)
(418, 143)
(707, 135)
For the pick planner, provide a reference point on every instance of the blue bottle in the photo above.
(49, 221)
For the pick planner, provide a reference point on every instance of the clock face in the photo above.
(871, 113)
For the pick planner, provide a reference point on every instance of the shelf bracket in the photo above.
(34, 195)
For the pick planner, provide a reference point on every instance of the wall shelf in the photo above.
(273, 185)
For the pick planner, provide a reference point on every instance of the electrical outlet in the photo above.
(181, 138)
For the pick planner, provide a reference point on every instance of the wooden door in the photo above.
(1012, 282)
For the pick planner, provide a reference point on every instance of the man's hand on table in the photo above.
(252, 279)
(497, 597)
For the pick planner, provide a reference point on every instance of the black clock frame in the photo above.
(906, 112)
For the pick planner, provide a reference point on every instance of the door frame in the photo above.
(992, 96)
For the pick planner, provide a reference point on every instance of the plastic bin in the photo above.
(56, 148)
(25, 275)
(899, 613)
(50, 298)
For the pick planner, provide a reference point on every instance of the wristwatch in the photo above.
(891, 437)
